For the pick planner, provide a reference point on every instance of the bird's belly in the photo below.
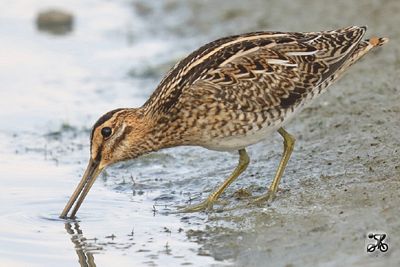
(236, 142)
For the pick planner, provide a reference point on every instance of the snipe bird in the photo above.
(227, 95)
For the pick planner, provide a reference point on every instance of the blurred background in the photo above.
(65, 63)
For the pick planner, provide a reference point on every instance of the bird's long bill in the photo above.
(90, 175)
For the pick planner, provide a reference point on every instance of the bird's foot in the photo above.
(269, 196)
(206, 205)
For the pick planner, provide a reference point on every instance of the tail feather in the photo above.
(376, 41)
(364, 47)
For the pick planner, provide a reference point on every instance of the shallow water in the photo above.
(113, 227)
(341, 182)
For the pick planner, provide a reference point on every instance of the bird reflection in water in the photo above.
(84, 247)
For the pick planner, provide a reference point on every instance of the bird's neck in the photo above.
(154, 131)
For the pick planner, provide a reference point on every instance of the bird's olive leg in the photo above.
(208, 203)
(288, 144)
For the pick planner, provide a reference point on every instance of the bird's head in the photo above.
(116, 136)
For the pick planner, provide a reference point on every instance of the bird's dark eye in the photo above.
(106, 132)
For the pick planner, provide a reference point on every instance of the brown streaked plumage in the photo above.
(227, 95)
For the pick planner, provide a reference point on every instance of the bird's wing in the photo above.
(256, 71)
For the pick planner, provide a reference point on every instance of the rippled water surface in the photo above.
(341, 183)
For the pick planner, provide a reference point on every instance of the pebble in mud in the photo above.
(55, 21)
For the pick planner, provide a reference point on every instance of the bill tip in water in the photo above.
(66, 217)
